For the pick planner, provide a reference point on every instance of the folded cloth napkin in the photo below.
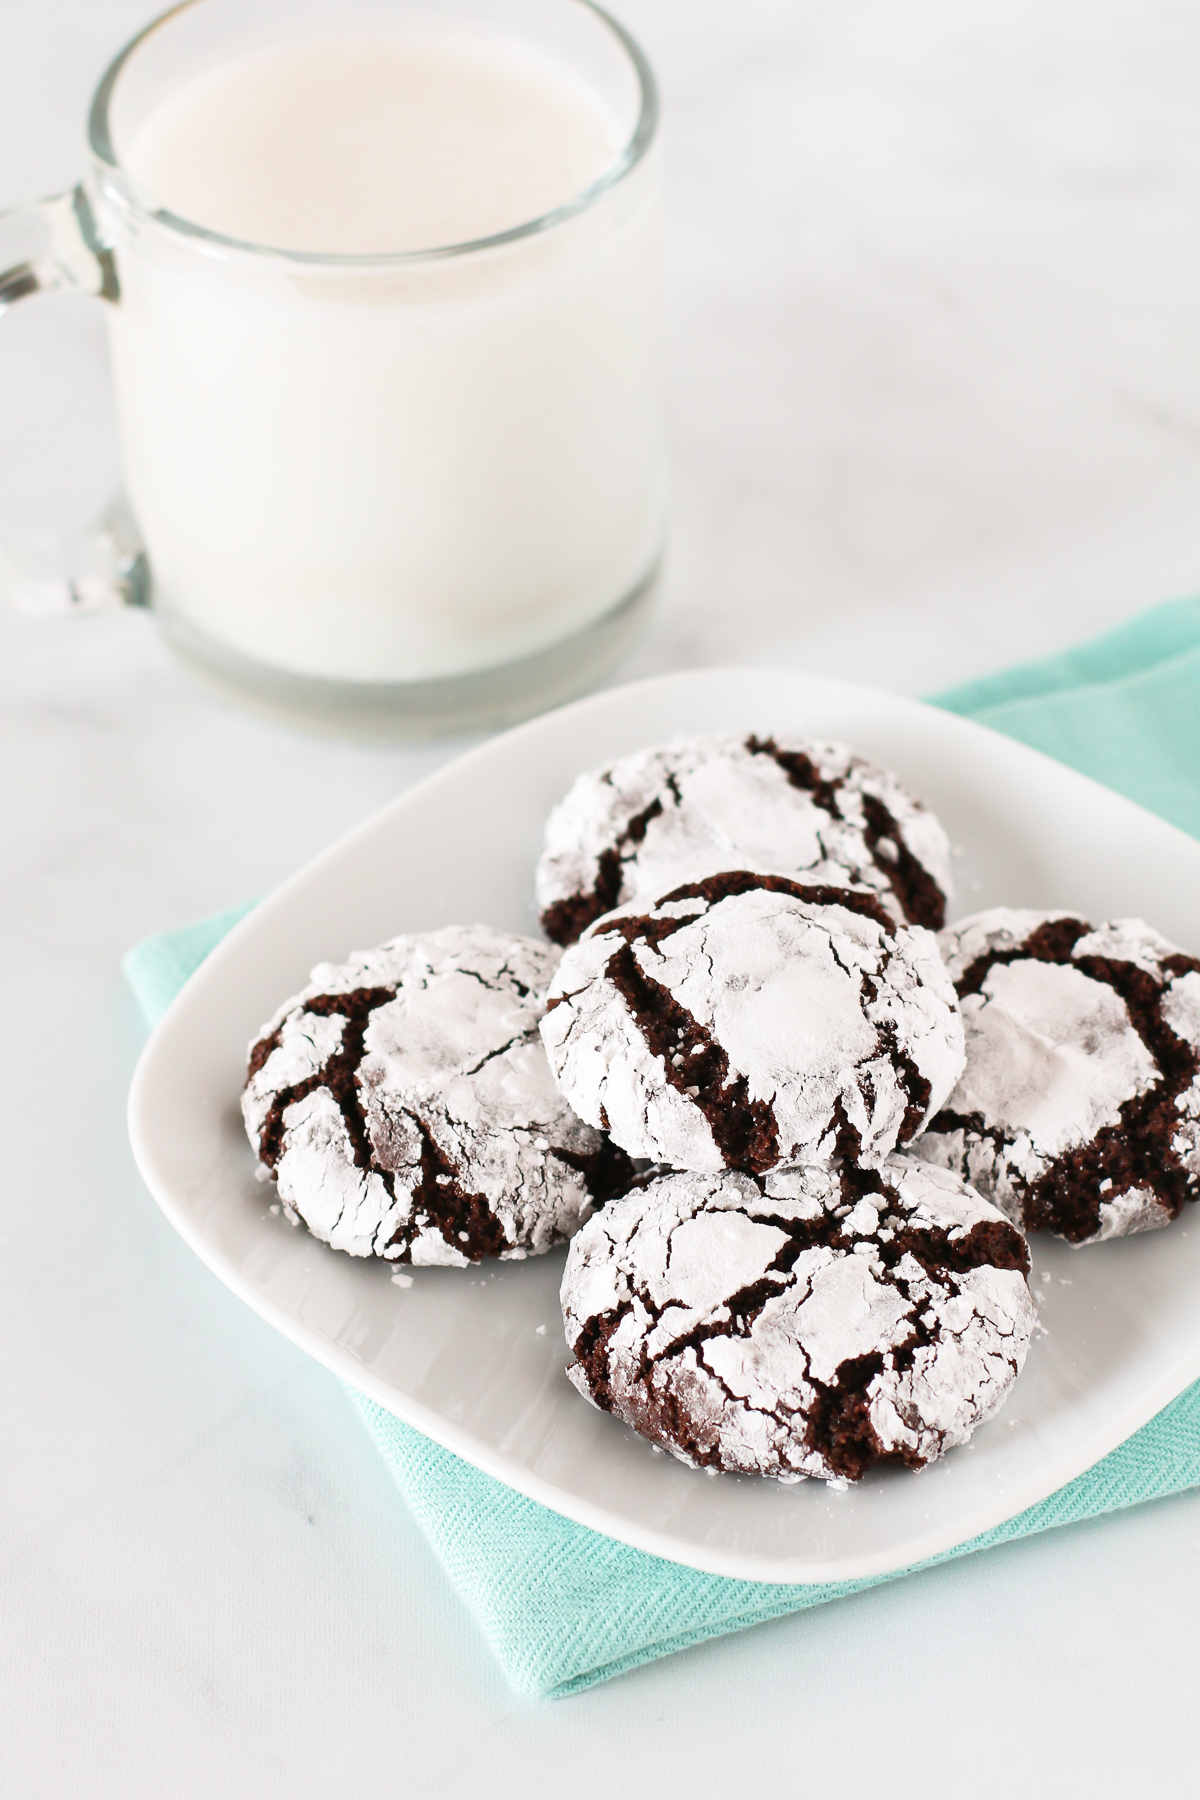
(563, 1607)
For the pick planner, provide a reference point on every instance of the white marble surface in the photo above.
(935, 306)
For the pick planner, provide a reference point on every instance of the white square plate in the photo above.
(459, 1353)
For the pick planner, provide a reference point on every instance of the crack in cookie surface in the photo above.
(744, 1130)
(922, 900)
(563, 920)
(338, 1073)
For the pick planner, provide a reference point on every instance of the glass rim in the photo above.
(131, 194)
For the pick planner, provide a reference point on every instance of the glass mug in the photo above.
(422, 489)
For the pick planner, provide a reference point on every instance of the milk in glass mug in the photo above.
(383, 289)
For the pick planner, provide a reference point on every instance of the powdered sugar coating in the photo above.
(811, 1324)
(1079, 1107)
(750, 1021)
(698, 805)
(404, 1104)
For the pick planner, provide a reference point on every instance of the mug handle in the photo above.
(56, 245)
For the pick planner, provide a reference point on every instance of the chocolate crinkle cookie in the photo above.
(812, 1323)
(404, 1105)
(1079, 1108)
(748, 1021)
(702, 804)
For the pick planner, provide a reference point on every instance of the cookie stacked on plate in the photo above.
(403, 1104)
(766, 1018)
(1078, 1111)
(794, 1137)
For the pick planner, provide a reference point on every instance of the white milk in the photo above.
(360, 146)
(394, 473)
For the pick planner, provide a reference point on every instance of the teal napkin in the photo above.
(563, 1607)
